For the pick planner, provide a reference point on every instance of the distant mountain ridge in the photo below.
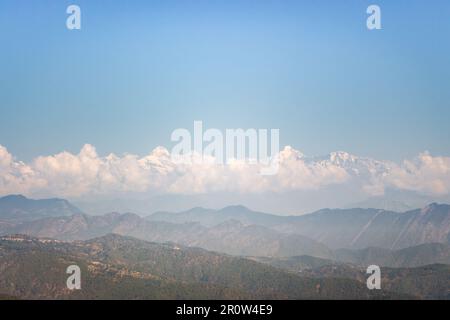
(211, 217)
(338, 228)
(236, 229)
(231, 237)
(20, 208)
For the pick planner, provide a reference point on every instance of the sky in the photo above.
(138, 70)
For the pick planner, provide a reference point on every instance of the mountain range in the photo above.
(337, 228)
(231, 237)
(339, 234)
(332, 244)
(17, 208)
(239, 231)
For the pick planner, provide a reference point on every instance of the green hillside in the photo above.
(125, 268)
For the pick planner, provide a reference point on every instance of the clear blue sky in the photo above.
(139, 69)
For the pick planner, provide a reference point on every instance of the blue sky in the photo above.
(140, 69)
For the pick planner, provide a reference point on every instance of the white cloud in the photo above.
(425, 173)
(86, 173)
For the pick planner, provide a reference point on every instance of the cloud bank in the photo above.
(86, 173)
